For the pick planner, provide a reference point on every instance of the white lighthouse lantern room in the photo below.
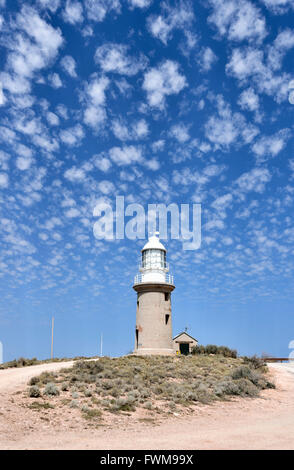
(153, 285)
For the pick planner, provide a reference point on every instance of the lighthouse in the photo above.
(154, 286)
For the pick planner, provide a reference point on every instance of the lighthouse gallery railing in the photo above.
(139, 279)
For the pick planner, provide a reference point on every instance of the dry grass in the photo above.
(159, 384)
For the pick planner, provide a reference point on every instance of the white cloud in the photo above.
(124, 87)
(158, 145)
(69, 65)
(7, 135)
(227, 128)
(23, 163)
(126, 155)
(271, 145)
(140, 3)
(114, 58)
(24, 150)
(75, 174)
(254, 180)
(152, 164)
(44, 44)
(52, 118)
(45, 142)
(249, 100)
(4, 157)
(73, 212)
(4, 180)
(238, 19)
(2, 97)
(98, 9)
(245, 63)
(140, 129)
(102, 163)
(162, 81)
(281, 45)
(206, 59)
(180, 132)
(214, 224)
(72, 136)
(285, 39)
(179, 17)
(96, 90)
(189, 175)
(95, 114)
(125, 131)
(106, 187)
(222, 202)
(249, 64)
(32, 45)
(14, 83)
(54, 80)
(278, 6)
(73, 12)
(52, 5)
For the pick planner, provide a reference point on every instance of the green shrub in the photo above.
(255, 362)
(246, 388)
(51, 389)
(107, 384)
(34, 391)
(148, 405)
(74, 404)
(34, 381)
(213, 349)
(64, 387)
(124, 404)
(245, 372)
(46, 377)
(91, 413)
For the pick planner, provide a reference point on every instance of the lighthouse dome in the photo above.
(153, 244)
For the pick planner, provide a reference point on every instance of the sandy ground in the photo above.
(262, 423)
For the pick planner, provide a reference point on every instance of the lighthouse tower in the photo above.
(153, 286)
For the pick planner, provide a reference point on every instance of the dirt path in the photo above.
(263, 423)
(16, 378)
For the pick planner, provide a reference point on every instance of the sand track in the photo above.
(262, 423)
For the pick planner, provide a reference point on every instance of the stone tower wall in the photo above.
(154, 319)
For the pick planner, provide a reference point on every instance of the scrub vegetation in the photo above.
(154, 383)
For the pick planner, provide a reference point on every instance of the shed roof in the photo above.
(185, 333)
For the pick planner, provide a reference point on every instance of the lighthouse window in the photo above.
(166, 319)
(166, 296)
(137, 337)
(153, 259)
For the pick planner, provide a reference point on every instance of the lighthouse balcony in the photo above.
(156, 278)
(153, 265)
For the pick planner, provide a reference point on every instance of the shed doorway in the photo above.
(184, 348)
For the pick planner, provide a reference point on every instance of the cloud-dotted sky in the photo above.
(159, 101)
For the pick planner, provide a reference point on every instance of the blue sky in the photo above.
(171, 101)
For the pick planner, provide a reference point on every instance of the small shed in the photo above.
(183, 343)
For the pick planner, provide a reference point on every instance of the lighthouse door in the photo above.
(184, 348)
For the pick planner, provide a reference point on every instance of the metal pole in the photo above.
(52, 335)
